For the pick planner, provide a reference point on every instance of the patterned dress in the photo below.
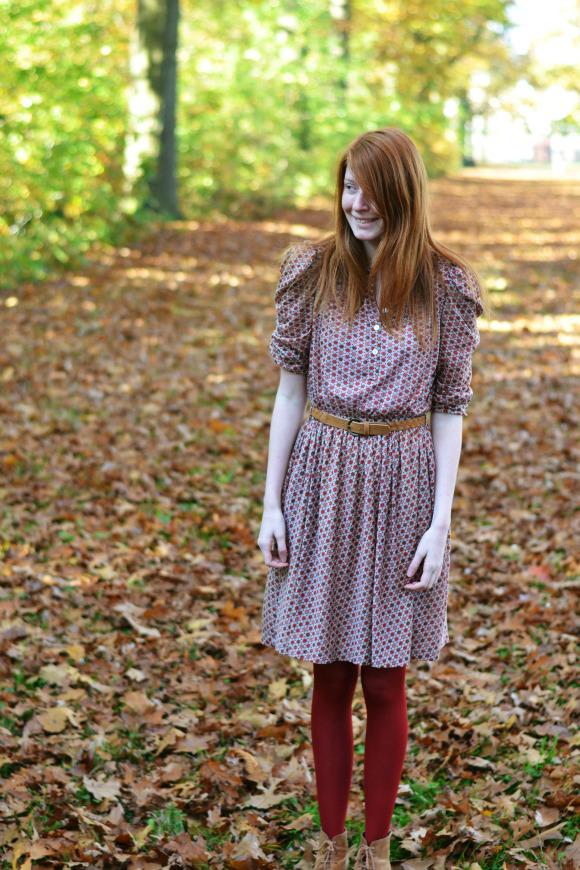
(355, 506)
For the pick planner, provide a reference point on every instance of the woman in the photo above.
(376, 326)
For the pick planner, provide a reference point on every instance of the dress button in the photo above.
(375, 350)
(377, 325)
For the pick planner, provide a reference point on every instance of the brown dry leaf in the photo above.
(220, 775)
(174, 771)
(572, 852)
(267, 798)
(192, 744)
(507, 805)
(139, 702)
(193, 851)
(540, 839)
(302, 823)
(546, 816)
(248, 847)
(131, 614)
(49, 846)
(169, 739)
(102, 789)
(255, 770)
(94, 684)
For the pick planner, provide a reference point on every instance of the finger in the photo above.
(280, 560)
(423, 583)
(269, 558)
(281, 545)
(267, 553)
(418, 584)
(414, 565)
(415, 562)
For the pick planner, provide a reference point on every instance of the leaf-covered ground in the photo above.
(142, 723)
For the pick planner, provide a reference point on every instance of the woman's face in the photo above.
(363, 220)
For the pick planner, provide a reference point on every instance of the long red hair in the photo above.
(390, 171)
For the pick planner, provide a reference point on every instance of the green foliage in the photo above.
(62, 118)
(168, 821)
(269, 93)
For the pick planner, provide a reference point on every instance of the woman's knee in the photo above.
(336, 679)
(383, 685)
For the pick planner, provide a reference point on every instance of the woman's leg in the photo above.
(332, 741)
(385, 696)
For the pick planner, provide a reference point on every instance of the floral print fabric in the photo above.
(356, 506)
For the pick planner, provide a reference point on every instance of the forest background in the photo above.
(246, 105)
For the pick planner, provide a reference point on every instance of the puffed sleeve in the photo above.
(459, 337)
(290, 342)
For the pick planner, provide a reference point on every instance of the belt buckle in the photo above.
(352, 420)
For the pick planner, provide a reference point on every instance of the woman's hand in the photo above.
(273, 529)
(431, 547)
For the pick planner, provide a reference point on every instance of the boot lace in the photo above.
(368, 858)
(327, 853)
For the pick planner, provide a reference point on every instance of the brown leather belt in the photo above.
(366, 427)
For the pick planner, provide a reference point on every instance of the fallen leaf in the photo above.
(55, 719)
(102, 789)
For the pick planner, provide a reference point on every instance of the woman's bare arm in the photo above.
(287, 417)
(447, 431)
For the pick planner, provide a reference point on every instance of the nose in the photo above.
(360, 204)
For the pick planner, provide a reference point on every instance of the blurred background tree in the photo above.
(150, 147)
(110, 114)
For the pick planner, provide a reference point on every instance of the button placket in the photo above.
(377, 327)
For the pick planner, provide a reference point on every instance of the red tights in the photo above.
(332, 743)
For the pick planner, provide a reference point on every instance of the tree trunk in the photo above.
(151, 146)
(341, 12)
(465, 120)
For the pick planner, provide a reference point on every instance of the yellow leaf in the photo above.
(59, 675)
(277, 690)
(20, 849)
(140, 837)
(54, 720)
(76, 651)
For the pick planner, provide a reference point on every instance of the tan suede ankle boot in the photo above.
(375, 855)
(332, 853)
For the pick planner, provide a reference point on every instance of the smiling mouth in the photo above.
(365, 220)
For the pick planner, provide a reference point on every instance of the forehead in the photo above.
(348, 176)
